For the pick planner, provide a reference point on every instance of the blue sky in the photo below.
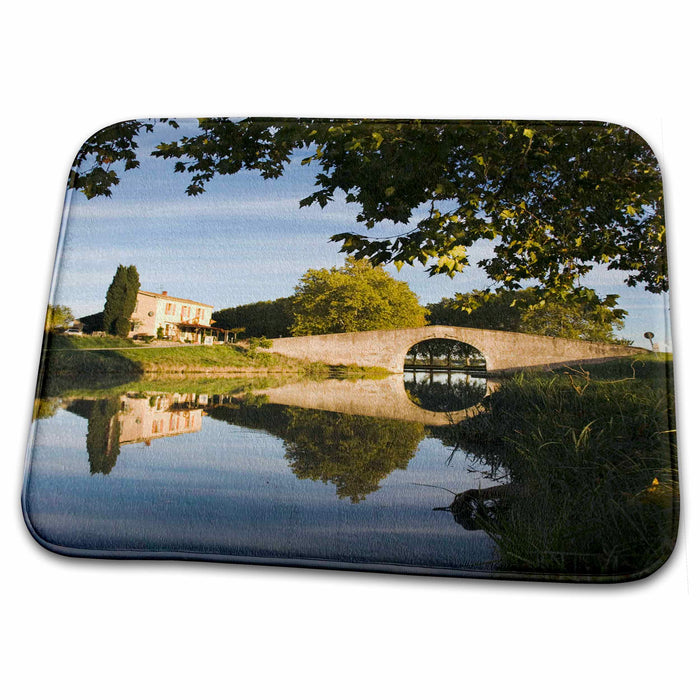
(246, 239)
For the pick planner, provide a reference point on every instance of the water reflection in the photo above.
(443, 391)
(354, 453)
(326, 471)
(129, 419)
(234, 473)
(351, 451)
(103, 432)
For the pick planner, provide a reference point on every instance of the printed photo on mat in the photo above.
(396, 345)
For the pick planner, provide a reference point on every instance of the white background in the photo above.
(81, 629)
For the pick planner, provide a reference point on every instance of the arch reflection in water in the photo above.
(444, 391)
(439, 375)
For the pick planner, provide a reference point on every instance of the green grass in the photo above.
(60, 341)
(197, 358)
(91, 358)
(105, 365)
(88, 357)
(590, 459)
(354, 372)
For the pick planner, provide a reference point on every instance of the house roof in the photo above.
(188, 324)
(167, 296)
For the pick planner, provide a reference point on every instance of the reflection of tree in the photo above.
(102, 440)
(438, 396)
(352, 452)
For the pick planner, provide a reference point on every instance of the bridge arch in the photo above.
(450, 339)
(503, 350)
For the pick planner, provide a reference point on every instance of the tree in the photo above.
(58, 316)
(556, 199)
(93, 322)
(120, 301)
(355, 297)
(444, 348)
(585, 317)
(272, 319)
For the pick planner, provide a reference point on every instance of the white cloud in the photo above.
(204, 206)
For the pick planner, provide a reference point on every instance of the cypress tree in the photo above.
(120, 301)
(102, 439)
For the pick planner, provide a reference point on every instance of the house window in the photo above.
(169, 310)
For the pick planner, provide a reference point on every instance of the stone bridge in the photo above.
(503, 351)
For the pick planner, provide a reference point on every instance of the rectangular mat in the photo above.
(411, 346)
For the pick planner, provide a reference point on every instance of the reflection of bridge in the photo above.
(503, 351)
(378, 398)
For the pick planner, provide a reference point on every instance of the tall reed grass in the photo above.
(590, 454)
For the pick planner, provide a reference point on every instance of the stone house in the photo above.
(184, 320)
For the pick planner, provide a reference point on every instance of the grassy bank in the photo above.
(589, 458)
(61, 341)
(100, 359)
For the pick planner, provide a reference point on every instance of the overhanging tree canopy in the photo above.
(555, 198)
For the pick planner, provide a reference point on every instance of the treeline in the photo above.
(587, 317)
(271, 319)
(93, 322)
(360, 297)
(354, 297)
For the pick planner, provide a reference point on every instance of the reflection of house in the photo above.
(144, 419)
(179, 319)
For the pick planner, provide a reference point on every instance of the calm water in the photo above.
(236, 474)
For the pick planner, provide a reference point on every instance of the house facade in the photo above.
(180, 319)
